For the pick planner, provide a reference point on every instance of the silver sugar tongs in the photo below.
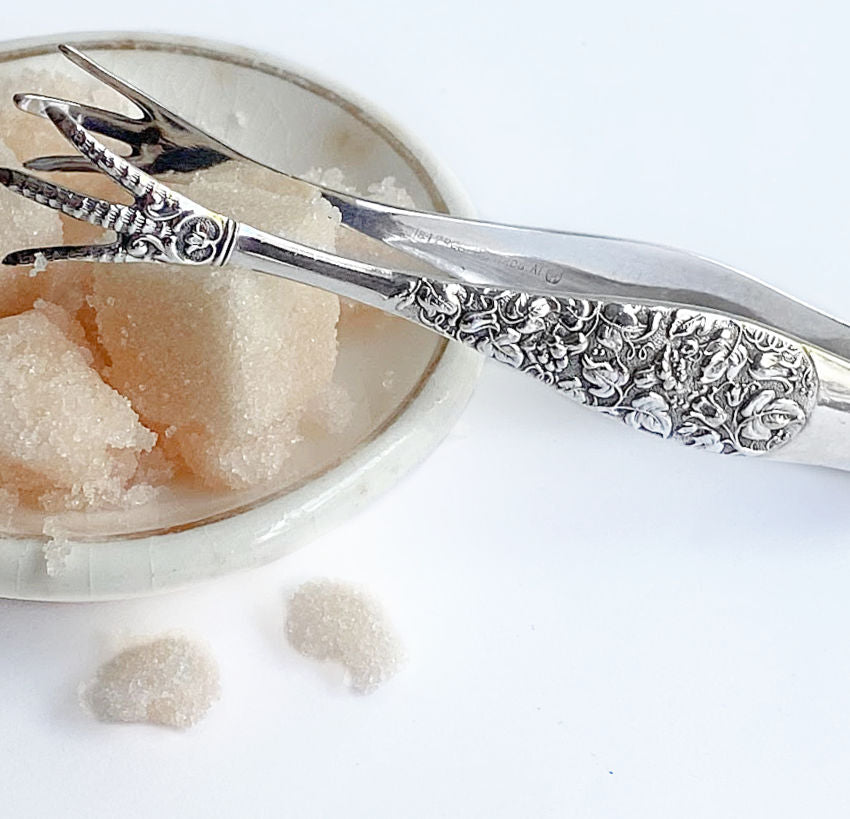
(668, 341)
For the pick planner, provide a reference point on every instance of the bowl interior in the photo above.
(286, 120)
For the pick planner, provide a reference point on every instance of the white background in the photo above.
(600, 625)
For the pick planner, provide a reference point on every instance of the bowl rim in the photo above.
(150, 563)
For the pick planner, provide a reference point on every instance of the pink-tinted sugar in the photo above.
(226, 360)
(232, 368)
(60, 424)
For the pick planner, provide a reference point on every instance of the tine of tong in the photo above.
(152, 111)
(99, 120)
(108, 215)
(145, 224)
(92, 118)
(134, 181)
(148, 107)
(108, 252)
(159, 140)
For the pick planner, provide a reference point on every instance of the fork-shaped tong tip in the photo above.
(161, 224)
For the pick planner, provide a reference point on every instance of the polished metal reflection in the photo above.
(669, 342)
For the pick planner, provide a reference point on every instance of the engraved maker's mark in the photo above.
(700, 378)
(537, 268)
(545, 271)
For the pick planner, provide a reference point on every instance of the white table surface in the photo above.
(600, 625)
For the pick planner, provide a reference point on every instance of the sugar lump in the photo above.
(60, 424)
(169, 680)
(334, 621)
(226, 360)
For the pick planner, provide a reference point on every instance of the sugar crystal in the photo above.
(57, 548)
(39, 265)
(386, 191)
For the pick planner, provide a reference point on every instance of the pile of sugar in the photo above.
(173, 681)
(169, 681)
(117, 380)
(333, 621)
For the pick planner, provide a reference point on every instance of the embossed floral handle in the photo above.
(700, 378)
